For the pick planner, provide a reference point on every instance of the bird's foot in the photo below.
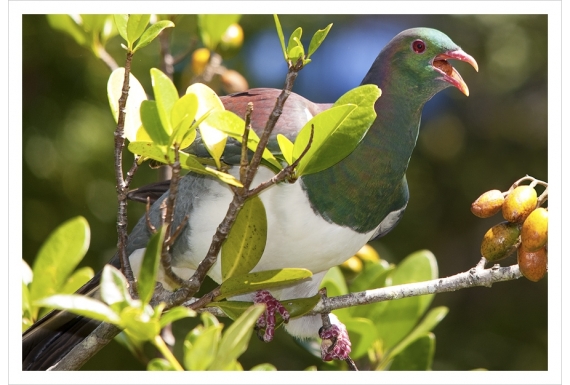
(266, 323)
(335, 344)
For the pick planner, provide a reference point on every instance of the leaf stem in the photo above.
(163, 348)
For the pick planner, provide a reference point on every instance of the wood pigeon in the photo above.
(317, 222)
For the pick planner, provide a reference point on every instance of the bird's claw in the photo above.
(336, 343)
(266, 323)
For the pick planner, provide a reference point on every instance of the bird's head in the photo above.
(417, 59)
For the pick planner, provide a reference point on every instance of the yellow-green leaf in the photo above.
(245, 243)
(247, 283)
(134, 100)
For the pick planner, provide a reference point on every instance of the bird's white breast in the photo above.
(297, 237)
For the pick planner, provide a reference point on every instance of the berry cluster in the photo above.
(525, 229)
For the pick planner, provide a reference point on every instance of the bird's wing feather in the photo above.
(296, 112)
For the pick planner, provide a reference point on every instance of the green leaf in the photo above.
(373, 276)
(135, 27)
(234, 126)
(208, 102)
(27, 274)
(337, 132)
(164, 154)
(362, 335)
(318, 39)
(174, 314)
(430, 321)
(113, 288)
(138, 323)
(212, 27)
(245, 243)
(81, 305)
(246, 283)
(401, 316)
(263, 368)
(132, 109)
(326, 124)
(165, 95)
(295, 48)
(58, 257)
(160, 364)
(236, 339)
(77, 279)
(286, 147)
(335, 284)
(181, 117)
(152, 32)
(152, 123)
(417, 356)
(280, 35)
(121, 23)
(147, 275)
(201, 347)
(67, 24)
(209, 319)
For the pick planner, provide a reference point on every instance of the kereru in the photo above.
(315, 223)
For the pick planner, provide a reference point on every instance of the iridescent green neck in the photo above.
(359, 191)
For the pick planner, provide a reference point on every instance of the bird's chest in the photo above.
(297, 237)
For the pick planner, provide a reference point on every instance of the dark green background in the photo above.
(466, 146)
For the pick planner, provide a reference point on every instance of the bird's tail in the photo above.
(52, 338)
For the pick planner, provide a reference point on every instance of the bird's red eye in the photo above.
(418, 46)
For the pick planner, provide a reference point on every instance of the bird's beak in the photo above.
(449, 73)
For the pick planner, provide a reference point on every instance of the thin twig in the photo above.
(122, 187)
(286, 172)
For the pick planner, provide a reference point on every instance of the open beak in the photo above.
(449, 73)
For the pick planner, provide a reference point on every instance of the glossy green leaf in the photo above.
(166, 95)
(201, 347)
(121, 23)
(147, 275)
(26, 307)
(233, 309)
(27, 274)
(326, 124)
(138, 324)
(247, 283)
(362, 334)
(77, 279)
(181, 117)
(174, 314)
(67, 24)
(132, 109)
(234, 126)
(208, 102)
(417, 356)
(373, 276)
(209, 319)
(152, 32)
(245, 243)
(335, 284)
(318, 39)
(280, 35)
(236, 338)
(300, 306)
(430, 321)
(152, 123)
(165, 155)
(286, 147)
(337, 132)
(401, 316)
(135, 27)
(59, 255)
(159, 364)
(295, 48)
(263, 368)
(213, 26)
(113, 288)
(81, 305)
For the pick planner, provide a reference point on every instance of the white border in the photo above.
(556, 48)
